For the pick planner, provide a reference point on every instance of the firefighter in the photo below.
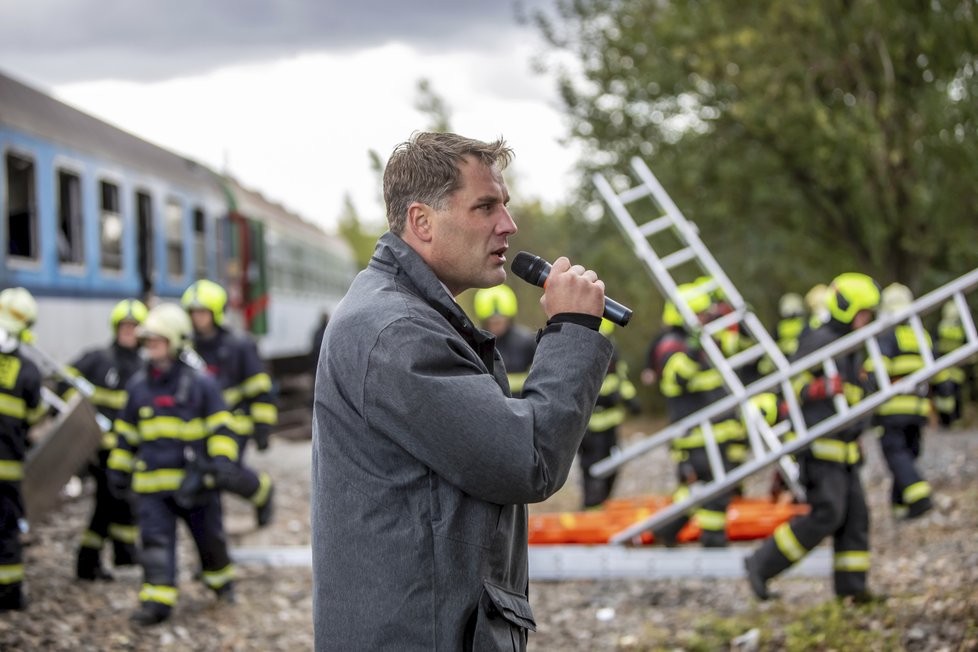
(495, 308)
(108, 369)
(689, 383)
(902, 417)
(20, 408)
(233, 361)
(173, 415)
(815, 300)
(829, 469)
(792, 319)
(617, 395)
(948, 393)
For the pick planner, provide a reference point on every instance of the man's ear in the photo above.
(419, 221)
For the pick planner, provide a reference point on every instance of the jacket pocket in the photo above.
(501, 621)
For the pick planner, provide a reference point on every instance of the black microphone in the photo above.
(535, 270)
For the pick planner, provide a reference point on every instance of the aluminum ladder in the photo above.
(767, 447)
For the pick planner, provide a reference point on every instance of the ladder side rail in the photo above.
(824, 427)
(879, 365)
(967, 319)
(840, 346)
(924, 344)
(713, 451)
(760, 333)
(764, 438)
(839, 400)
(722, 365)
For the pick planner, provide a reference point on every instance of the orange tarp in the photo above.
(747, 518)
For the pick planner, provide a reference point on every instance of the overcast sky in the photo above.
(291, 94)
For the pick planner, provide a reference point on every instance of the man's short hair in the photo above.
(425, 168)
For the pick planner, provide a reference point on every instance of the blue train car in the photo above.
(92, 214)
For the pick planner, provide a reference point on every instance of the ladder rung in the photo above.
(633, 194)
(746, 356)
(652, 227)
(677, 258)
(720, 323)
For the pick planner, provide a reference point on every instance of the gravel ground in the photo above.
(928, 568)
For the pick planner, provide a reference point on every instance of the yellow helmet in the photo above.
(206, 295)
(132, 310)
(18, 310)
(694, 296)
(767, 405)
(894, 298)
(791, 305)
(498, 300)
(850, 293)
(169, 321)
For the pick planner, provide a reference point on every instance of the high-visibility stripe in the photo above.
(517, 380)
(148, 482)
(221, 445)
(158, 593)
(120, 460)
(788, 543)
(606, 419)
(267, 413)
(91, 540)
(218, 420)
(705, 381)
(679, 367)
(904, 365)
(264, 486)
(127, 430)
(232, 396)
(123, 533)
(109, 398)
(833, 450)
(11, 573)
(11, 470)
(711, 520)
(916, 491)
(172, 428)
(852, 561)
(34, 415)
(11, 406)
(109, 440)
(905, 404)
(218, 578)
(853, 393)
(257, 384)
(728, 430)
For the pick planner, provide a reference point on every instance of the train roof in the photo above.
(29, 110)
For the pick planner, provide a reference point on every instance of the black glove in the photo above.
(198, 478)
(261, 434)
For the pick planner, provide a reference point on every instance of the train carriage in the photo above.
(92, 214)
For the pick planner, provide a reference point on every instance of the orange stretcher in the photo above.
(747, 518)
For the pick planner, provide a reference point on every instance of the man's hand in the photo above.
(571, 288)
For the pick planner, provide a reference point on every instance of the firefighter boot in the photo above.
(150, 613)
(89, 566)
(226, 594)
(919, 508)
(757, 583)
(12, 598)
(266, 510)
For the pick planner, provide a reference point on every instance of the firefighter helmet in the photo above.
(851, 293)
(894, 298)
(206, 295)
(498, 300)
(791, 305)
(18, 310)
(169, 321)
(950, 312)
(694, 296)
(815, 298)
(132, 310)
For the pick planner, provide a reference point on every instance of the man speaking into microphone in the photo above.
(422, 461)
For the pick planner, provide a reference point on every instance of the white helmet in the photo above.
(791, 305)
(894, 298)
(18, 310)
(950, 312)
(169, 321)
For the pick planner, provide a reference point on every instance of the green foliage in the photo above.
(360, 238)
(804, 139)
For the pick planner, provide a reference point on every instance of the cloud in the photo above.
(75, 40)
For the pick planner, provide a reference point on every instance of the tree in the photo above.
(805, 139)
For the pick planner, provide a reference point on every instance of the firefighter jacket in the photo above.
(247, 388)
(20, 408)
(617, 396)
(689, 383)
(108, 370)
(902, 357)
(422, 463)
(950, 336)
(166, 413)
(516, 346)
(840, 445)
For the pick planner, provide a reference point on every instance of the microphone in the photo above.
(534, 270)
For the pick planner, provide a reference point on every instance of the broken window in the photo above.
(174, 238)
(110, 227)
(21, 208)
(70, 249)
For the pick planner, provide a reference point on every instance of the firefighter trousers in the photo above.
(901, 446)
(838, 508)
(711, 516)
(11, 553)
(158, 514)
(594, 447)
(241, 480)
(112, 518)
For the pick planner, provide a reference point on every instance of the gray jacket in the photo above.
(423, 464)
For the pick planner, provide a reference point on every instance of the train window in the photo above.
(110, 227)
(200, 244)
(21, 208)
(144, 241)
(70, 249)
(174, 238)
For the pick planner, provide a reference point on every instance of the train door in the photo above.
(144, 244)
(244, 271)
